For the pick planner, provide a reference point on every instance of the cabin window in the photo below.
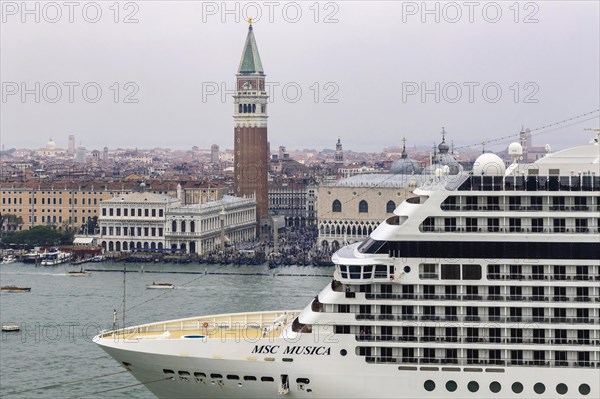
(450, 272)
(559, 225)
(381, 271)
(428, 271)
(471, 225)
(344, 271)
(429, 224)
(471, 272)
(493, 224)
(355, 272)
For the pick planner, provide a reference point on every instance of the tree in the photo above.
(10, 222)
(41, 236)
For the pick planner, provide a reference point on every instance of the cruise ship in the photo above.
(484, 284)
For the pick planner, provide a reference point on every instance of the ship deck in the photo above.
(233, 326)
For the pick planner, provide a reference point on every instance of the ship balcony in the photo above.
(548, 276)
(508, 229)
(479, 361)
(469, 297)
(470, 339)
(475, 318)
(516, 208)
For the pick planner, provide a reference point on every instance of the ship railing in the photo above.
(472, 339)
(470, 297)
(481, 362)
(477, 318)
(237, 321)
(517, 208)
(531, 183)
(508, 229)
(549, 276)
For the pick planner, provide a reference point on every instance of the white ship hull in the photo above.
(330, 376)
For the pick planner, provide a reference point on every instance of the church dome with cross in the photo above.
(405, 165)
(443, 162)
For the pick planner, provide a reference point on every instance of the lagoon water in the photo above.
(61, 315)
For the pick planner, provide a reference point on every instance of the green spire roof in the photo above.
(250, 59)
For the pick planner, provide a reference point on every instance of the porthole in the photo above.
(429, 385)
(517, 387)
(451, 386)
(539, 388)
(406, 269)
(584, 389)
(343, 352)
(473, 386)
(562, 389)
(495, 387)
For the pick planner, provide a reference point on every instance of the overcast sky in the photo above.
(361, 67)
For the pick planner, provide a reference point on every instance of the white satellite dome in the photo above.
(489, 165)
(515, 149)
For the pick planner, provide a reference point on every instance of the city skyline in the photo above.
(367, 67)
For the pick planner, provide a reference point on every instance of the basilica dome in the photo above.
(405, 165)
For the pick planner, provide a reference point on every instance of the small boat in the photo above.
(98, 258)
(8, 259)
(11, 328)
(55, 257)
(31, 257)
(160, 286)
(79, 273)
(14, 288)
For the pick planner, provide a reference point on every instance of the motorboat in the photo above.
(160, 286)
(14, 288)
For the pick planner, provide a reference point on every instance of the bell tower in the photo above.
(251, 150)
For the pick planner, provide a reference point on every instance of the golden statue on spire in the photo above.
(250, 21)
